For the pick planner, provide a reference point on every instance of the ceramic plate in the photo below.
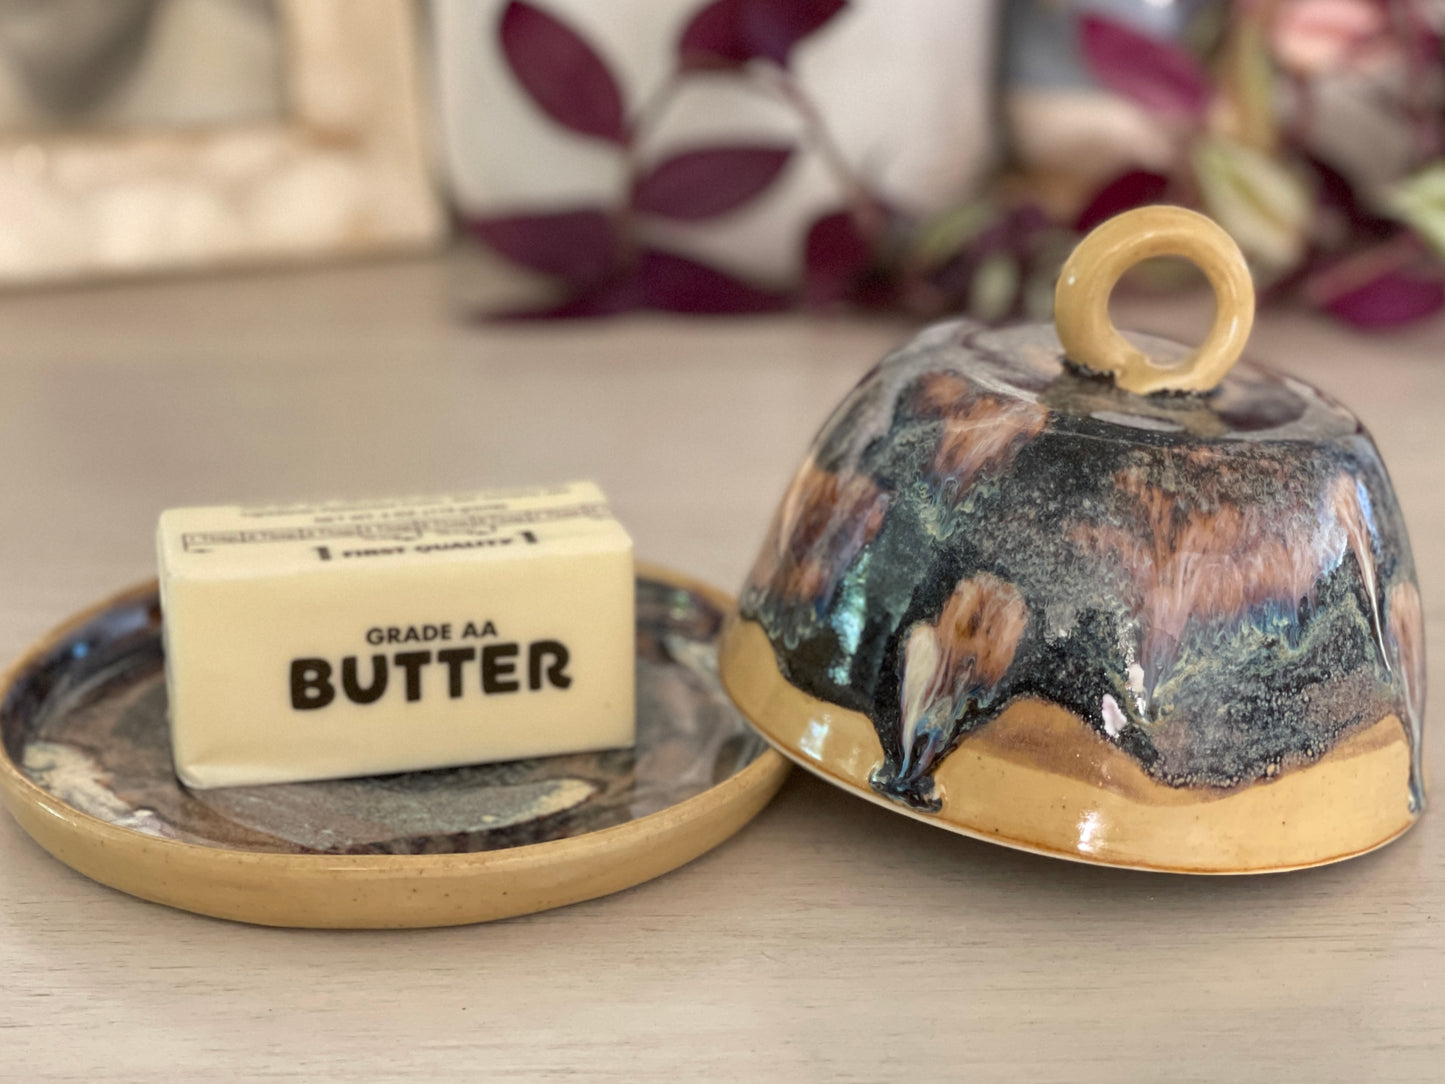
(87, 772)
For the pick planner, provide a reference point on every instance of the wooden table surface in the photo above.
(830, 939)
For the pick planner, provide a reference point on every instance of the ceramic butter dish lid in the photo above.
(1089, 596)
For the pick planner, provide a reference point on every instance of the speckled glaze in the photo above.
(1218, 587)
(87, 771)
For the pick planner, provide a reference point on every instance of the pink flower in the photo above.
(1312, 37)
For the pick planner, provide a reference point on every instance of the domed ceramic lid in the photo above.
(1049, 590)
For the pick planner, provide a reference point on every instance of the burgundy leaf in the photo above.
(1336, 195)
(878, 292)
(675, 283)
(562, 73)
(835, 257)
(1333, 188)
(713, 181)
(729, 33)
(579, 246)
(1390, 300)
(1157, 74)
(608, 299)
(1125, 192)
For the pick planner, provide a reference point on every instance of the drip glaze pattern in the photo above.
(1218, 585)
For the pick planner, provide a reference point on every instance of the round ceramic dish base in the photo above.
(86, 771)
(1037, 779)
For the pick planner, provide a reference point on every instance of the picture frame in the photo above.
(344, 171)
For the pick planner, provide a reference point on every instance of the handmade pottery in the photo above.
(85, 768)
(1034, 586)
(923, 141)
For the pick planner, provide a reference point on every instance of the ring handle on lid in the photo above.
(1081, 298)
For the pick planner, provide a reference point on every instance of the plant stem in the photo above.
(784, 85)
(644, 124)
(650, 113)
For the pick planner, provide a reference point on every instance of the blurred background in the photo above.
(255, 251)
(918, 157)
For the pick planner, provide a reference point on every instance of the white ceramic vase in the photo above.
(904, 85)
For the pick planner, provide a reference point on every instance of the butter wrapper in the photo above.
(357, 638)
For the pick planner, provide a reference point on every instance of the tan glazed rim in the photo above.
(382, 891)
(997, 788)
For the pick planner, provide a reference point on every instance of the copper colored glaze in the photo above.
(1216, 587)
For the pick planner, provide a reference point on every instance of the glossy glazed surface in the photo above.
(1093, 269)
(1036, 779)
(1218, 587)
(88, 772)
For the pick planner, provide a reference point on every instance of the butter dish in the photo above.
(86, 770)
(1098, 597)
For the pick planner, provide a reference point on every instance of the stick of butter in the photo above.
(339, 639)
